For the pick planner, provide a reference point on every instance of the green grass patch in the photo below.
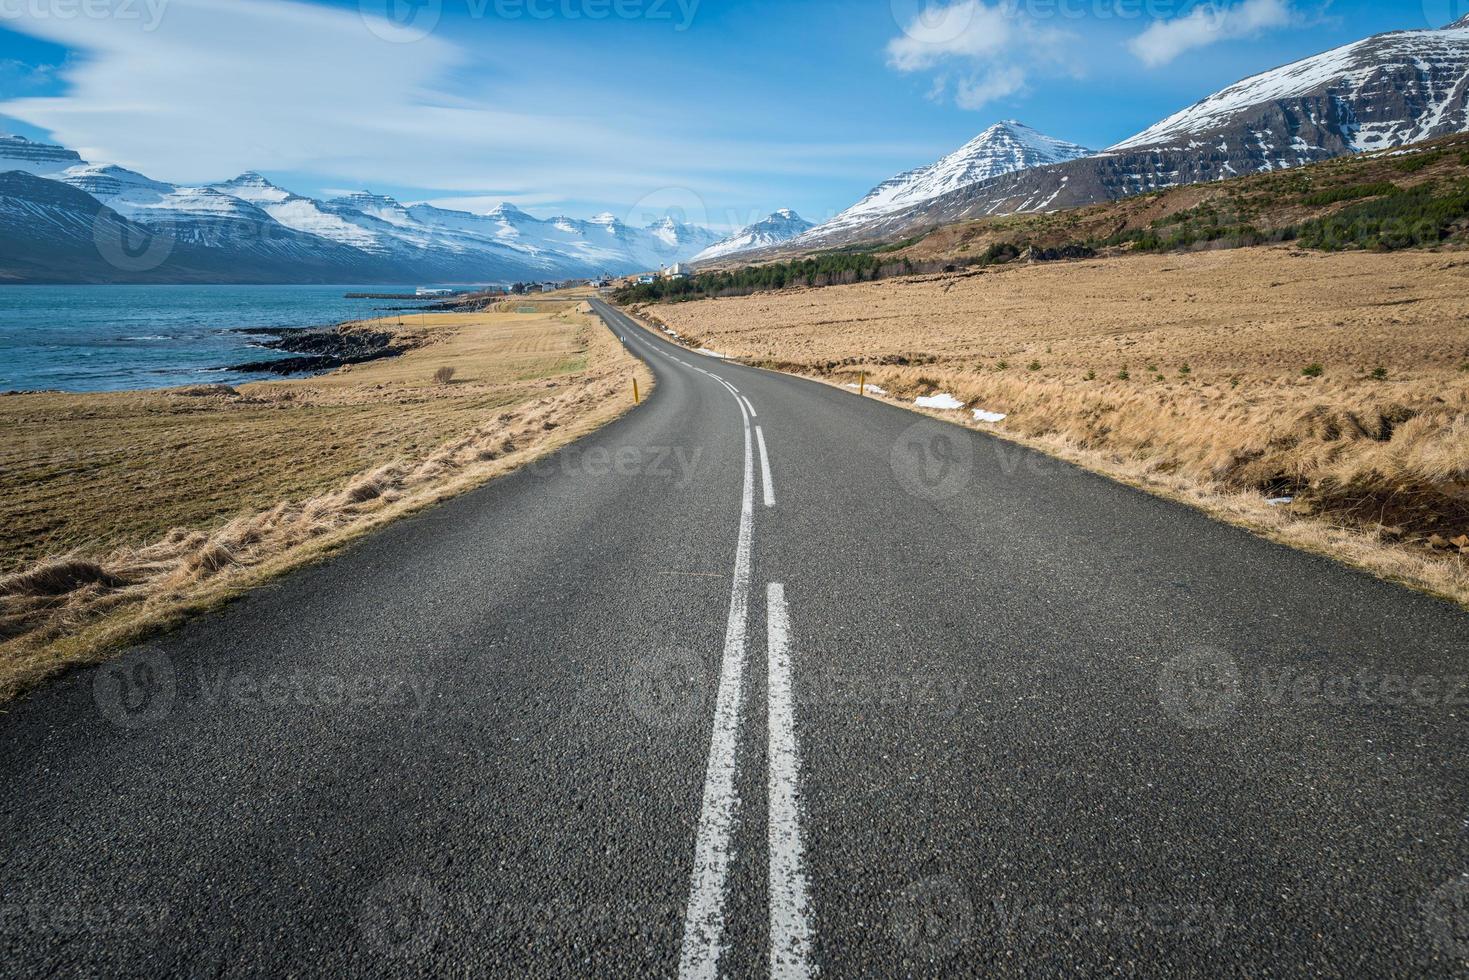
(1413, 218)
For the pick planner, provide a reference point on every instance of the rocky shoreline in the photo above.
(320, 349)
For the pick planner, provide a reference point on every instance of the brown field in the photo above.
(120, 512)
(1185, 373)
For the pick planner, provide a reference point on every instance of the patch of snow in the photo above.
(709, 353)
(980, 415)
(942, 400)
(872, 388)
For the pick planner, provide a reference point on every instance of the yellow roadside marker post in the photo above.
(635, 399)
(862, 385)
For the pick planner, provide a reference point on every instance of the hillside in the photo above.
(1415, 197)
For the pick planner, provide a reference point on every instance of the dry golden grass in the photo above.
(1215, 407)
(124, 511)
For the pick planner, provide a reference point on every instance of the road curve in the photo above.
(762, 679)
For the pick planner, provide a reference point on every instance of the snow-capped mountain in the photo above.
(1004, 148)
(1384, 91)
(250, 229)
(1381, 92)
(776, 229)
(38, 159)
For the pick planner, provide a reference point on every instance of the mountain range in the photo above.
(65, 220)
(1385, 91)
(775, 229)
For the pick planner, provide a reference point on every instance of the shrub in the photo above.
(1002, 365)
(1313, 371)
(1091, 375)
(1185, 370)
(1124, 375)
(1353, 193)
(1408, 219)
(1033, 366)
(1379, 374)
(444, 375)
(1417, 162)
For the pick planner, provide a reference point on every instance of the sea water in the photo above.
(104, 338)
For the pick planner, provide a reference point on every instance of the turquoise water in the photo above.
(103, 338)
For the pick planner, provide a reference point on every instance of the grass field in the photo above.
(120, 512)
(1225, 377)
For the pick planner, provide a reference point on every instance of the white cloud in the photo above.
(216, 87)
(989, 47)
(1210, 23)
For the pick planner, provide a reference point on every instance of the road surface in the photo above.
(763, 679)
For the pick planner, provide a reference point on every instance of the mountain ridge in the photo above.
(1381, 92)
(775, 228)
(252, 225)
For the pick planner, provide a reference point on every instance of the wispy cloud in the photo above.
(215, 87)
(1210, 23)
(981, 51)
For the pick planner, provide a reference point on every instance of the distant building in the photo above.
(676, 271)
(428, 291)
(646, 280)
(548, 287)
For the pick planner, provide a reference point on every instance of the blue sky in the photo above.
(715, 110)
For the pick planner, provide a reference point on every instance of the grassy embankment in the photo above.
(1222, 378)
(122, 512)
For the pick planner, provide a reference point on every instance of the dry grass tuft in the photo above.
(58, 578)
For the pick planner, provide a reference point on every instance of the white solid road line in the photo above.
(790, 925)
(767, 482)
(753, 414)
(703, 931)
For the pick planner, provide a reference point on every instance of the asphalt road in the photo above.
(775, 681)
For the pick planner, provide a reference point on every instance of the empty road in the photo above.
(763, 679)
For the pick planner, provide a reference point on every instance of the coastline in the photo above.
(322, 349)
(125, 512)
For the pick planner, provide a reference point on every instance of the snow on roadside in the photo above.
(942, 400)
(872, 388)
(980, 415)
(709, 353)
